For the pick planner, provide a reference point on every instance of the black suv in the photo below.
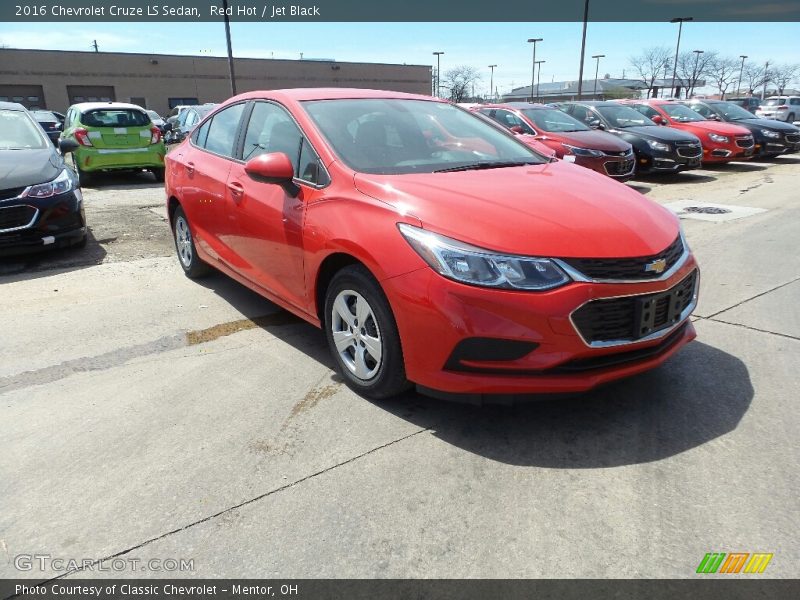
(658, 149)
(41, 205)
(771, 137)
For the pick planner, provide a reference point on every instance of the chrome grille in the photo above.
(745, 141)
(16, 217)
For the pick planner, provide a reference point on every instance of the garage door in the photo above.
(30, 96)
(90, 93)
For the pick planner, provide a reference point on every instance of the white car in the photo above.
(780, 108)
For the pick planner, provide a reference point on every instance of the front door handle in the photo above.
(237, 190)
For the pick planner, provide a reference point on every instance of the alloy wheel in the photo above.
(356, 334)
(183, 241)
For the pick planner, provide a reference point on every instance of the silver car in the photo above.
(780, 108)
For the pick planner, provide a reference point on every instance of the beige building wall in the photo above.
(158, 77)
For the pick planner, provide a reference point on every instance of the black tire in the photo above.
(84, 177)
(191, 264)
(790, 118)
(81, 243)
(158, 174)
(389, 377)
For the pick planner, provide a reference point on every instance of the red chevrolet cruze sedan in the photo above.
(722, 142)
(466, 263)
(570, 139)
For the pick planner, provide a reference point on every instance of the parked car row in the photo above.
(646, 136)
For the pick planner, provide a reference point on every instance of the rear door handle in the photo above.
(237, 190)
(190, 168)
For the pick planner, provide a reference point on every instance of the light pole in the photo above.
(438, 71)
(539, 76)
(491, 81)
(533, 41)
(230, 50)
(695, 74)
(680, 21)
(583, 47)
(766, 75)
(596, 72)
(741, 70)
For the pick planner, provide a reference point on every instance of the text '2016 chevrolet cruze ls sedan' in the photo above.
(465, 263)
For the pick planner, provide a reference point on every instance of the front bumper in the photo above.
(55, 222)
(784, 144)
(545, 353)
(104, 159)
(621, 168)
(716, 152)
(657, 161)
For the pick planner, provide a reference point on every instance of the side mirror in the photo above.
(167, 126)
(67, 145)
(274, 167)
(517, 129)
(658, 120)
(596, 124)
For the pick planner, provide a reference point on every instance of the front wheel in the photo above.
(192, 266)
(362, 335)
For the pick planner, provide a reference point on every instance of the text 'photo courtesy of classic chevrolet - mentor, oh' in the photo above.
(462, 262)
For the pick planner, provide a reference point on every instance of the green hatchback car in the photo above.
(113, 136)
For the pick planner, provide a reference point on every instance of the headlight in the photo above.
(476, 266)
(583, 151)
(59, 185)
(714, 137)
(770, 134)
(658, 146)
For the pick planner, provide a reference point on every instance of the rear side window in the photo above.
(221, 137)
(107, 117)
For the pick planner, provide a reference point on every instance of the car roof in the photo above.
(12, 106)
(517, 105)
(301, 94)
(87, 106)
(593, 102)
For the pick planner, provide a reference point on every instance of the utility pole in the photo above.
(583, 47)
(695, 74)
(539, 76)
(533, 41)
(680, 21)
(766, 76)
(741, 70)
(491, 80)
(94, 45)
(438, 73)
(597, 72)
(231, 74)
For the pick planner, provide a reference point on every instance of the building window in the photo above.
(173, 102)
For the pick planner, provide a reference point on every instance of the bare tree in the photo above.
(723, 71)
(783, 75)
(692, 67)
(458, 81)
(755, 76)
(649, 65)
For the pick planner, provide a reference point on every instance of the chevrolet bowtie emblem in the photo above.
(657, 266)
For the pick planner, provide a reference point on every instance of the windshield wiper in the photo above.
(485, 165)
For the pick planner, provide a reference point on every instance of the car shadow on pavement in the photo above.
(57, 260)
(123, 181)
(736, 167)
(664, 178)
(700, 394)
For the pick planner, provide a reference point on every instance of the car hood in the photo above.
(769, 124)
(660, 133)
(596, 140)
(20, 168)
(716, 127)
(556, 209)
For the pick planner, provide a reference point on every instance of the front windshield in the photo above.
(732, 112)
(552, 119)
(774, 102)
(681, 113)
(19, 132)
(393, 136)
(623, 116)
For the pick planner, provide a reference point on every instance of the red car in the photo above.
(471, 265)
(722, 142)
(571, 140)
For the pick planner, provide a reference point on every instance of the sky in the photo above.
(474, 44)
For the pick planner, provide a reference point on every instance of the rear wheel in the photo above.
(362, 335)
(159, 174)
(790, 118)
(84, 177)
(192, 266)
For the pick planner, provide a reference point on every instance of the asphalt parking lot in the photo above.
(145, 415)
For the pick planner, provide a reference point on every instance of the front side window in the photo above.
(271, 129)
(19, 132)
(388, 136)
(222, 132)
